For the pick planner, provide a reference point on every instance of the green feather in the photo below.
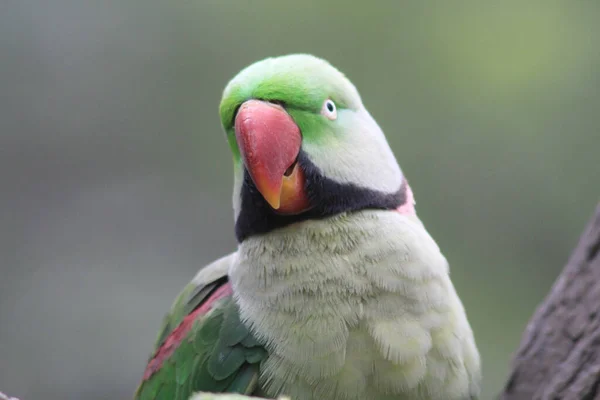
(175, 316)
(301, 81)
(196, 296)
(181, 359)
(206, 382)
(197, 373)
(245, 381)
(233, 331)
(167, 389)
(250, 341)
(208, 332)
(217, 355)
(255, 354)
(225, 361)
(149, 389)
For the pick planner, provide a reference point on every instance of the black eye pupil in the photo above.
(330, 106)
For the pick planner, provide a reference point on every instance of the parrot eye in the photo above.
(329, 110)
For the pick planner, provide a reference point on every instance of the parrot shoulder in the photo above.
(203, 345)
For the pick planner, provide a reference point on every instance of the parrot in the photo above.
(336, 289)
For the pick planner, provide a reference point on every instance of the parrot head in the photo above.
(304, 146)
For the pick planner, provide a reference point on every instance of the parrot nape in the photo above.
(336, 290)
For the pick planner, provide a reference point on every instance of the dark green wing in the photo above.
(203, 345)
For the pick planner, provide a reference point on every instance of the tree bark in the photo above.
(559, 356)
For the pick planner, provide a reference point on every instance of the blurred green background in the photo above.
(115, 176)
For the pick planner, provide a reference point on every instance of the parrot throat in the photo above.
(327, 197)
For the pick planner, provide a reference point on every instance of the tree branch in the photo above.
(559, 356)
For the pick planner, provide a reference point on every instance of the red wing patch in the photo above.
(174, 339)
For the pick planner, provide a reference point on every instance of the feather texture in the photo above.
(203, 345)
(356, 306)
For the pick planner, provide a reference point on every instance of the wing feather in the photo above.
(203, 345)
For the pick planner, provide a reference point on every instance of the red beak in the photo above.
(269, 141)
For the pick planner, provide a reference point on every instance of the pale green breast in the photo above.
(395, 359)
(356, 306)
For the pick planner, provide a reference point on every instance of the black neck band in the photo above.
(326, 196)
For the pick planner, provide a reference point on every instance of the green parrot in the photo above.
(336, 290)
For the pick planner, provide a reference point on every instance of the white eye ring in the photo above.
(329, 109)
